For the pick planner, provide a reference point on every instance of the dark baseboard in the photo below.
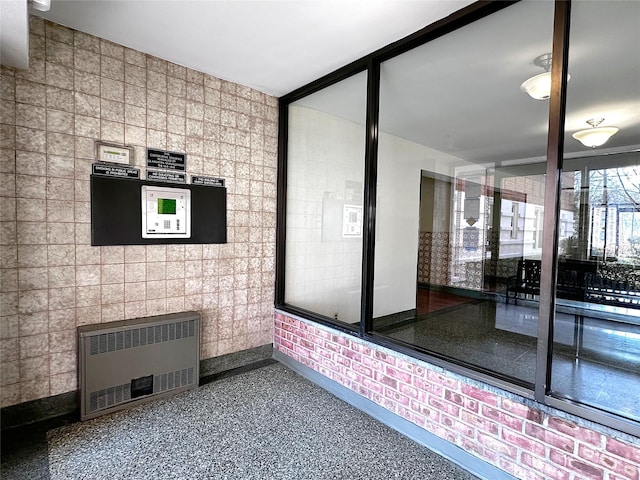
(395, 319)
(212, 366)
(68, 404)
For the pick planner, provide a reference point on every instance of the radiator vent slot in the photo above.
(172, 380)
(131, 361)
(132, 338)
(109, 397)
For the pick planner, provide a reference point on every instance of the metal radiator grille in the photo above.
(110, 342)
(131, 361)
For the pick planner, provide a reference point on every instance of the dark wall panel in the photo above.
(116, 214)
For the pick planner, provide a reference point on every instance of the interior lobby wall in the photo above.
(78, 89)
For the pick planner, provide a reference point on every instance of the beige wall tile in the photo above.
(28, 233)
(113, 293)
(86, 41)
(86, 104)
(59, 75)
(62, 298)
(135, 291)
(135, 95)
(61, 320)
(111, 49)
(177, 71)
(33, 389)
(156, 289)
(9, 373)
(87, 255)
(60, 211)
(112, 273)
(136, 116)
(62, 362)
(28, 139)
(88, 295)
(63, 341)
(157, 306)
(135, 309)
(31, 93)
(112, 68)
(62, 276)
(112, 110)
(112, 312)
(60, 144)
(63, 382)
(135, 272)
(176, 287)
(26, 115)
(112, 254)
(156, 81)
(87, 275)
(34, 345)
(88, 315)
(175, 304)
(33, 278)
(61, 166)
(86, 61)
(135, 57)
(112, 131)
(60, 233)
(87, 83)
(8, 279)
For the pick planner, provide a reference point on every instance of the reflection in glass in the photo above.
(596, 351)
(460, 194)
(325, 171)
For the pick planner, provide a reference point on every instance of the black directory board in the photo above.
(111, 170)
(166, 160)
(168, 177)
(208, 181)
(116, 213)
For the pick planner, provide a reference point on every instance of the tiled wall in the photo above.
(507, 431)
(434, 254)
(80, 88)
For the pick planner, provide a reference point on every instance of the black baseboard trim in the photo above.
(448, 450)
(68, 404)
(223, 363)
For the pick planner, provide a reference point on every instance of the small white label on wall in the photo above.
(352, 221)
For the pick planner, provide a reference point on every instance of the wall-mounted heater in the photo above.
(128, 362)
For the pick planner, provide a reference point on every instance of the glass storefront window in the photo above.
(456, 199)
(596, 351)
(325, 184)
(460, 193)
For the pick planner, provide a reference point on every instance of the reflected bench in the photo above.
(571, 282)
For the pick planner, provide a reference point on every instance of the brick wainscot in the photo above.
(527, 440)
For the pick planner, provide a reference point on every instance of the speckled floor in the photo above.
(268, 423)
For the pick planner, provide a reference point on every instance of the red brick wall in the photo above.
(527, 442)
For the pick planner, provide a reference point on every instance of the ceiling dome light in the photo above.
(41, 5)
(539, 86)
(596, 136)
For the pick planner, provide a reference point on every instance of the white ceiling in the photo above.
(274, 46)
(460, 94)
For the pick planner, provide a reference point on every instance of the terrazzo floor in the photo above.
(266, 423)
